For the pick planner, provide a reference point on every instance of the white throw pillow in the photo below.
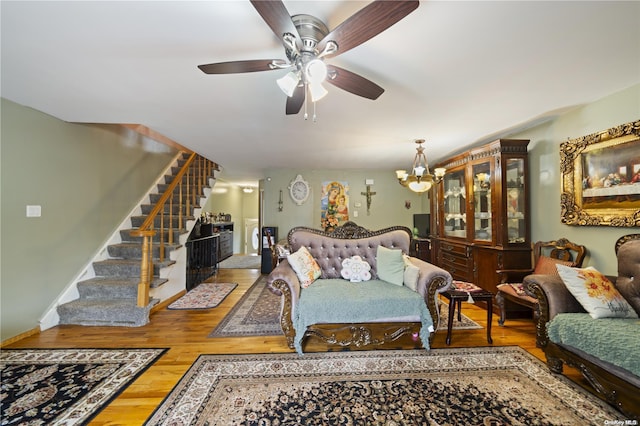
(390, 265)
(411, 274)
(355, 269)
(305, 266)
(595, 292)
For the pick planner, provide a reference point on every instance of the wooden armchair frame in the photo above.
(561, 249)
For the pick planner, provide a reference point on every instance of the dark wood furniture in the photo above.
(480, 213)
(421, 248)
(510, 290)
(456, 297)
(225, 244)
(272, 248)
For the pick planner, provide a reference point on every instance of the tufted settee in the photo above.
(383, 325)
(605, 350)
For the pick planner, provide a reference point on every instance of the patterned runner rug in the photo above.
(66, 386)
(257, 313)
(204, 296)
(472, 386)
(241, 261)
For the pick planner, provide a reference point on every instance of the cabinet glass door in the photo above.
(455, 205)
(482, 201)
(516, 201)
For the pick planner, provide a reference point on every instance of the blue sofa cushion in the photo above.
(614, 340)
(341, 301)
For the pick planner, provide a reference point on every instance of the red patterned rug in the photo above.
(204, 296)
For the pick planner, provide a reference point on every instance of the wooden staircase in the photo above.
(113, 297)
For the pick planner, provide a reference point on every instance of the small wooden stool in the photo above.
(461, 292)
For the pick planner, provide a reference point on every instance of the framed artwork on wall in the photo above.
(601, 178)
(334, 204)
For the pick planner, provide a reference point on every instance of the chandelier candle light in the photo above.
(420, 180)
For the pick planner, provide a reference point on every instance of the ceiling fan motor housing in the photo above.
(311, 31)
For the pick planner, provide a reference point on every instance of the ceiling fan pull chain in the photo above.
(306, 115)
(314, 113)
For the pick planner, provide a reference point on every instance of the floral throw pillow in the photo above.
(355, 269)
(305, 266)
(595, 292)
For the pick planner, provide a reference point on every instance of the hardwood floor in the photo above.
(185, 334)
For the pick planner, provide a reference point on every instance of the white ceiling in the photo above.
(455, 73)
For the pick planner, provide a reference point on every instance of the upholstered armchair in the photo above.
(546, 255)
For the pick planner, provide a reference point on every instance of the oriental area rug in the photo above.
(204, 296)
(257, 313)
(472, 386)
(241, 261)
(66, 386)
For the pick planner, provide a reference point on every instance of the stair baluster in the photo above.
(194, 171)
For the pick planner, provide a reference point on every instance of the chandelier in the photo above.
(420, 180)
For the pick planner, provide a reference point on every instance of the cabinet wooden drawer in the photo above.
(452, 259)
(459, 249)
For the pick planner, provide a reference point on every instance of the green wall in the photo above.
(544, 165)
(387, 206)
(87, 178)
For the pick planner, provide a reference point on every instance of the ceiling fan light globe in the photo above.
(317, 91)
(316, 71)
(288, 83)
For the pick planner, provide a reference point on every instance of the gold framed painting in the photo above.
(601, 178)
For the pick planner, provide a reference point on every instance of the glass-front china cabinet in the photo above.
(481, 218)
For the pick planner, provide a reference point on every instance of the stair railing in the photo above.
(196, 171)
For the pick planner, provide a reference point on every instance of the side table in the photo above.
(461, 294)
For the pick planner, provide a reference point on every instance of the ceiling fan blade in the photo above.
(275, 14)
(353, 83)
(295, 101)
(234, 67)
(367, 23)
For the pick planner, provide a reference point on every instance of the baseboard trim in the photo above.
(167, 302)
(32, 332)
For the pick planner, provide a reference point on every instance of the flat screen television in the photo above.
(422, 222)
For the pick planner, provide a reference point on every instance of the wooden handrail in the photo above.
(148, 223)
(197, 171)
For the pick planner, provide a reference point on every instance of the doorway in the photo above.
(251, 236)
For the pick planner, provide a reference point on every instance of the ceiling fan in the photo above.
(308, 42)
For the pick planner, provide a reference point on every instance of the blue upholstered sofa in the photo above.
(605, 350)
(366, 314)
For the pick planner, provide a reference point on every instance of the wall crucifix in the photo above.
(368, 194)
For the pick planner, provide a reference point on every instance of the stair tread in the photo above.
(104, 302)
(162, 264)
(121, 281)
(138, 244)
